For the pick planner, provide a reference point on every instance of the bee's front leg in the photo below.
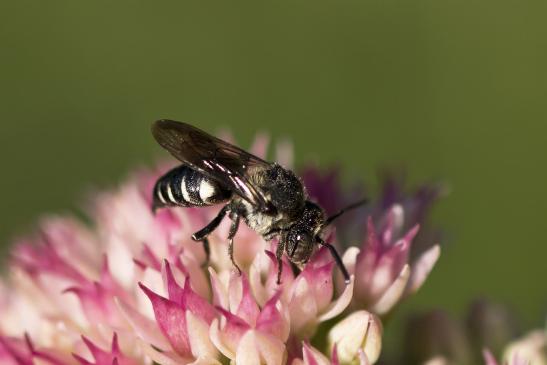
(279, 256)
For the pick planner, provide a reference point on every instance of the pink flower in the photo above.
(309, 297)
(383, 272)
(131, 289)
(247, 333)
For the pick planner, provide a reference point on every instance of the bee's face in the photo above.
(299, 245)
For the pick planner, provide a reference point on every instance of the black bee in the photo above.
(270, 199)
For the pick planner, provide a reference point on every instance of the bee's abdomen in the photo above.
(186, 187)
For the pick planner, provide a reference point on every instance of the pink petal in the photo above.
(320, 280)
(489, 359)
(400, 256)
(45, 258)
(313, 357)
(260, 145)
(334, 356)
(175, 292)
(235, 326)
(247, 307)
(145, 328)
(97, 303)
(287, 276)
(272, 321)
(150, 258)
(197, 305)
(172, 321)
(102, 357)
(15, 350)
(372, 243)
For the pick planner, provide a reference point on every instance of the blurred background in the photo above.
(453, 91)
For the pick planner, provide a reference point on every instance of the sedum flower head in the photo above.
(132, 289)
(382, 265)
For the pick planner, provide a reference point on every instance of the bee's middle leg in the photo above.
(233, 230)
(202, 234)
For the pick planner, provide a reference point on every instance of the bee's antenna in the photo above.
(337, 258)
(330, 219)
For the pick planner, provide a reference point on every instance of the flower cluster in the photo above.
(132, 288)
(489, 331)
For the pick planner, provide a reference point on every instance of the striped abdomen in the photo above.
(186, 187)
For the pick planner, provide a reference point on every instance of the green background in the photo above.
(452, 90)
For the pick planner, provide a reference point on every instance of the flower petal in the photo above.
(242, 300)
(144, 327)
(247, 351)
(392, 295)
(271, 348)
(303, 309)
(338, 306)
(421, 269)
(171, 320)
(312, 356)
(272, 321)
(198, 335)
(360, 331)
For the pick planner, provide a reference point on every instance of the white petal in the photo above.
(338, 306)
(198, 335)
(272, 349)
(350, 258)
(216, 335)
(303, 309)
(121, 262)
(421, 269)
(392, 295)
(164, 358)
(358, 332)
(247, 351)
(284, 153)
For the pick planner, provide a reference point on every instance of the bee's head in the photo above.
(301, 238)
(299, 245)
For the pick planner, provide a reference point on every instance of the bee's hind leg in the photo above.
(202, 234)
(233, 230)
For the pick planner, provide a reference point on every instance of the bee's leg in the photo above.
(295, 269)
(202, 234)
(207, 250)
(336, 257)
(233, 230)
(279, 256)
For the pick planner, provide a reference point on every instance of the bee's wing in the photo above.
(220, 160)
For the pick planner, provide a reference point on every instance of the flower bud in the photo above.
(532, 349)
(358, 334)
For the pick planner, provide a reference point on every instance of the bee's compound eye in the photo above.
(299, 246)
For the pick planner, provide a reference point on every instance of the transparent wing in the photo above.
(218, 159)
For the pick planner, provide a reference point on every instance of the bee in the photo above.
(270, 199)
